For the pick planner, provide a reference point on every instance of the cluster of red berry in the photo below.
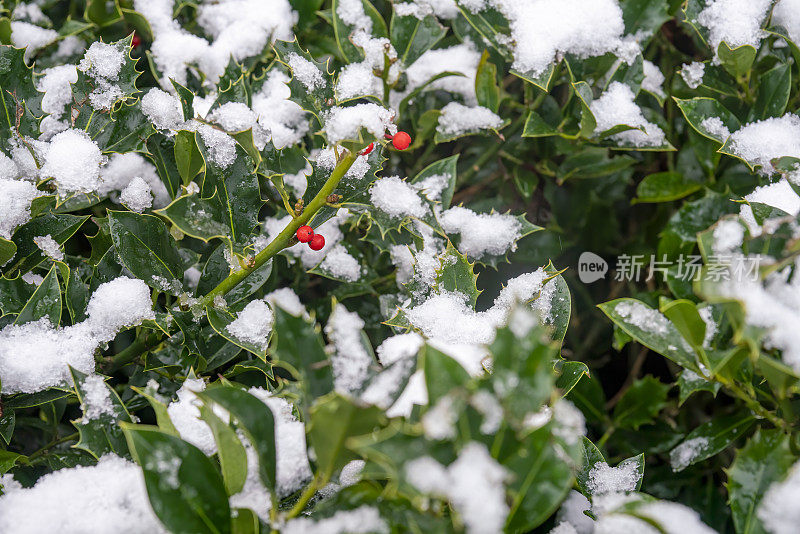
(305, 234)
(401, 141)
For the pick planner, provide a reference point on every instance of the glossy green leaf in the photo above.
(184, 487)
(641, 403)
(665, 187)
(99, 428)
(334, 420)
(146, 248)
(698, 111)
(772, 96)
(763, 461)
(663, 338)
(44, 302)
(710, 439)
(486, 89)
(737, 61)
(256, 419)
(412, 37)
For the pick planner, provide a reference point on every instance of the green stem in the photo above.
(133, 351)
(754, 405)
(52, 444)
(301, 503)
(282, 240)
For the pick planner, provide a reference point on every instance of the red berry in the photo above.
(305, 234)
(136, 41)
(368, 149)
(317, 242)
(401, 140)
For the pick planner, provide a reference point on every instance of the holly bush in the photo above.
(343, 266)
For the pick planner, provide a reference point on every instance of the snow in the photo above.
(773, 306)
(362, 520)
(786, 13)
(36, 355)
(473, 484)
(106, 498)
(306, 72)
(49, 247)
(96, 400)
(761, 142)
(293, 469)
(715, 127)
(253, 324)
(343, 123)
(778, 195)
(778, 510)
(653, 79)
(185, 416)
(457, 119)
(234, 117)
(684, 454)
(238, 28)
(692, 73)
(674, 518)
(490, 408)
(31, 37)
(462, 59)
(564, 528)
(737, 22)
(162, 109)
(570, 424)
(15, 204)
(74, 162)
(616, 106)
(439, 421)
(711, 326)
(287, 300)
(221, 146)
(728, 236)
(444, 9)
(103, 60)
(283, 120)
(118, 304)
(544, 30)
(55, 83)
(605, 479)
(350, 359)
(123, 168)
(397, 198)
(338, 263)
(481, 234)
(298, 182)
(640, 316)
(571, 513)
(137, 195)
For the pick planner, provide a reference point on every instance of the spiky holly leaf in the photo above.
(438, 180)
(456, 273)
(233, 85)
(525, 228)
(312, 87)
(103, 410)
(125, 129)
(19, 99)
(95, 94)
(228, 205)
(344, 31)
